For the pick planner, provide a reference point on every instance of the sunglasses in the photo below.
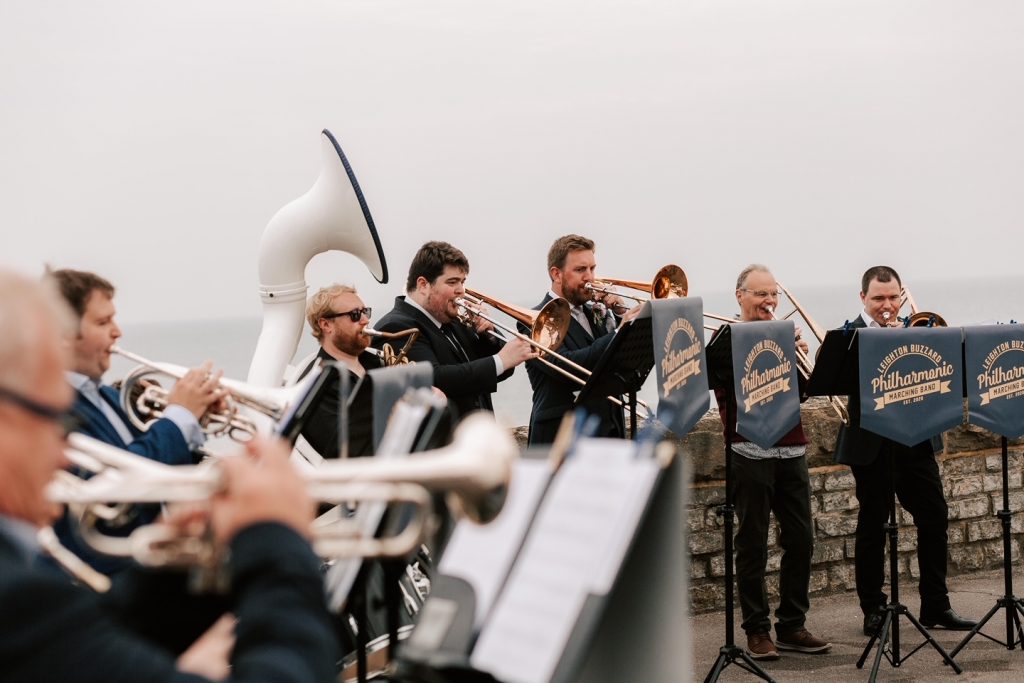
(67, 420)
(355, 315)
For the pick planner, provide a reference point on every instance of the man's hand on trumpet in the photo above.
(199, 391)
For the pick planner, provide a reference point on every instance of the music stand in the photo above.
(720, 376)
(836, 373)
(622, 368)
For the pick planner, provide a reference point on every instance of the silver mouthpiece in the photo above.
(886, 315)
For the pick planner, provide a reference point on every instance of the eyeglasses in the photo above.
(762, 293)
(67, 420)
(355, 315)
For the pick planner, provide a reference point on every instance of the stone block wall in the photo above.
(972, 482)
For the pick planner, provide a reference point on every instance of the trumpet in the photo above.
(669, 283)
(475, 471)
(387, 353)
(144, 401)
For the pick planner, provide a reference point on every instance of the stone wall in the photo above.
(972, 481)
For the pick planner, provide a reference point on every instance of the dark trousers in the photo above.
(919, 490)
(762, 487)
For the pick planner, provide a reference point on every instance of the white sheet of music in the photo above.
(574, 549)
(483, 554)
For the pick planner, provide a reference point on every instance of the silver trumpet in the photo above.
(475, 471)
(144, 400)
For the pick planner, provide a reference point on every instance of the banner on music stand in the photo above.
(911, 382)
(994, 369)
(682, 372)
(765, 380)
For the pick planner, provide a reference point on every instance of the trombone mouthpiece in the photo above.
(770, 309)
(886, 315)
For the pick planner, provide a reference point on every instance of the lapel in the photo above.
(442, 348)
(96, 422)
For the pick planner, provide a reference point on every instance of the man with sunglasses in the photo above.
(468, 362)
(337, 317)
(143, 628)
(172, 440)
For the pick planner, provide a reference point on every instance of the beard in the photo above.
(352, 344)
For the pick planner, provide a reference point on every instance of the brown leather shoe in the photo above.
(760, 646)
(801, 640)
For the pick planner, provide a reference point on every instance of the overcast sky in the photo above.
(153, 141)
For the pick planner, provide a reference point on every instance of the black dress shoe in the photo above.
(947, 619)
(873, 622)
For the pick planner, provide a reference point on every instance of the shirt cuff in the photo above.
(499, 367)
(187, 423)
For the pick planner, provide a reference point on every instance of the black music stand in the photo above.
(836, 373)
(622, 368)
(720, 376)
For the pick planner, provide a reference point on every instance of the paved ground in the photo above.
(838, 618)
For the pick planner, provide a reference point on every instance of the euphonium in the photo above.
(144, 400)
(475, 471)
(387, 353)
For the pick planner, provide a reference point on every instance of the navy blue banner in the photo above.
(765, 380)
(995, 378)
(911, 382)
(677, 327)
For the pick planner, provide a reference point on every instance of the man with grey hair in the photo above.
(767, 481)
(142, 629)
(337, 318)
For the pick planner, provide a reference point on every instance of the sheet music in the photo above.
(483, 554)
(575, 549)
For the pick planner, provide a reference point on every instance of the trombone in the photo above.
(548, 328)
(144, 401)
(474, 470)
(804, 363)
(669, 283)
(917, 317)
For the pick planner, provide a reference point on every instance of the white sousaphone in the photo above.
(332, 215)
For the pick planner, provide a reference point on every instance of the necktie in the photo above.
(583, 319)
(449, 333)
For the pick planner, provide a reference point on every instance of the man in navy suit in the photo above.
(142, 629)
(918, 487)
(571, 266)
(170, 440)
(468, 362)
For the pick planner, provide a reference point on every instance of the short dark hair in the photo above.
(430, 261)
(880, 273)
(76, 286)
(559, 251)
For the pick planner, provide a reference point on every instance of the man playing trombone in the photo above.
(468, 361)
(171, 439)
(571, 266)
(52, 630)
(767, 481)
(337, 318)
(918, 487)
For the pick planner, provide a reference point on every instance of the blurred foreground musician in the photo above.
(172, 439)
(771, 481)
(468, 363)
(571, 266)
(54, 631)
(337, 317)
(918, 487)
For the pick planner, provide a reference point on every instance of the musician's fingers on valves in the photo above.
(198, 390)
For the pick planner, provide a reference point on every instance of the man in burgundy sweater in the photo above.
(767, 481)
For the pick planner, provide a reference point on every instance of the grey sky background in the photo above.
(153, 141)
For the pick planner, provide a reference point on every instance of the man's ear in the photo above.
(555, 274)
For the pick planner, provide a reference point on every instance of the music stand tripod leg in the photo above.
(1009, 602)
(730, 653)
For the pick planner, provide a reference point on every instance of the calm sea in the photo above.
(230, 343)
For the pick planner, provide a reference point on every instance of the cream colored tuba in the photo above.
(332, 215)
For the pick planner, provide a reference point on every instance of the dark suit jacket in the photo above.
(856, 446)
(54, 631)
(553, 394)
(163, 442)
(468, 386)
(321, 430)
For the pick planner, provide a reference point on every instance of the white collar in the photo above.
(412, 302)
(868, 320)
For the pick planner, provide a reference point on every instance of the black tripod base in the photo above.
(733, 654)
(888, 638)
(1014, 633)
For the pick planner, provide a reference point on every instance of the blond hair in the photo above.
(320, 304)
